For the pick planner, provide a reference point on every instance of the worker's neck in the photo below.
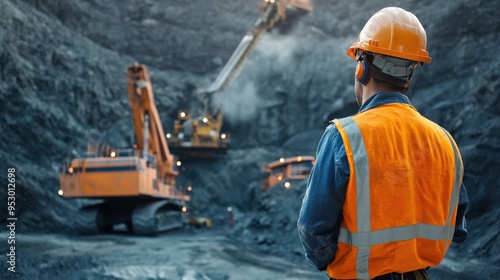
(372, 88)
(368, 91)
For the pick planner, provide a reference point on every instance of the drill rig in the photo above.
(200, 136)
(136, 185)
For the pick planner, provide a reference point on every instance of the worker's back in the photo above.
(400, 206)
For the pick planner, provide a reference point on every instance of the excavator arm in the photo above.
(147, 125)
(272, 11)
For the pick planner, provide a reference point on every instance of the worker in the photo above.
(230, 216)
(385, 197)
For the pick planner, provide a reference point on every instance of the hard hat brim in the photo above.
(425, 58)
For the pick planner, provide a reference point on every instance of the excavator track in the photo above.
(86, 221)
(153, 218)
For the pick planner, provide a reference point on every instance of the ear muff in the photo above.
(362, 72)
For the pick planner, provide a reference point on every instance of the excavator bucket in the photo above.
(293, 7)
(300, 4)
(289, 6)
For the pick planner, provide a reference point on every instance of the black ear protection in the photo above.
(362, 71)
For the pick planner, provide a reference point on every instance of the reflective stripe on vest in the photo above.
(365, 237)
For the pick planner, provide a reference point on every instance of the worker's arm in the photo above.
(461, 225)
(321, 212)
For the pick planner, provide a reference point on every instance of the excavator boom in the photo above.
(142, 104)
(272, 11)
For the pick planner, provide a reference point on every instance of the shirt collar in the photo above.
(381, 98)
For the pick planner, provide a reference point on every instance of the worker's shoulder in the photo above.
(332, 142)
(331, 132)
(430, 123)
(331, 128)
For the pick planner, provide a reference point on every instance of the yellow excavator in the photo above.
(136, 186)
(200, 135)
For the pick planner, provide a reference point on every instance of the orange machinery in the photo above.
(137, 185)
(200, 135)
(285, 170)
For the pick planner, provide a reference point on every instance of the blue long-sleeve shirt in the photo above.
(321, 213)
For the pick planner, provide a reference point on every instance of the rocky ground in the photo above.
(62, 85)
(188, 255)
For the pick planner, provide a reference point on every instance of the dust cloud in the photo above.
(244, 97)
(240, 102)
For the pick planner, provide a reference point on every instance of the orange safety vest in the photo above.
(402, 196)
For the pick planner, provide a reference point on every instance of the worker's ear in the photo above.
(362, 72)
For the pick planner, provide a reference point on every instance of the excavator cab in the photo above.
(201, 136)
(198, 136)
(285, 171)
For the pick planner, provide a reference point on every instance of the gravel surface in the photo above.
(189, 254)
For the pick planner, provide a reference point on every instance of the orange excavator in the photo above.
(200, 135)
(286, 170)
(136, 186)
